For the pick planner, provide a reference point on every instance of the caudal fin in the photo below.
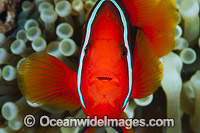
(157, 19)
(42, 78)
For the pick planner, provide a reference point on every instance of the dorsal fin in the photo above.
(157, 19)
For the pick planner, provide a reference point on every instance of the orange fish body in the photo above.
(111, 69)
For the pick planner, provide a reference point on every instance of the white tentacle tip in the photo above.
(144, 101)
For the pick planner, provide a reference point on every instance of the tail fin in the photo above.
(157, 19)
(147, 69)
(42, 78)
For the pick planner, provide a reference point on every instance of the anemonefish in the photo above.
(112, 67)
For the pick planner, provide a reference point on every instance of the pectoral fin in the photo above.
(147, 69)
(43, 78)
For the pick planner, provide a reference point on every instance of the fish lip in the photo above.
(104, 76)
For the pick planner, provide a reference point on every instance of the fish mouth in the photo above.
(104, 77)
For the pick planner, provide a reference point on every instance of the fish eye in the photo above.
(86, 51)
(124, 52)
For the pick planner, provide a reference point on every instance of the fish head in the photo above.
(104, 69)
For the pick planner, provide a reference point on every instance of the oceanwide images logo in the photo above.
(45, 121)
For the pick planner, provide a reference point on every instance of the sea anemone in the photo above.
(56, 26)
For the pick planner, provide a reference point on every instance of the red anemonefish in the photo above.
(111, 70)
